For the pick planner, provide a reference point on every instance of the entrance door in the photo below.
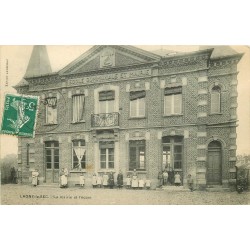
(214, 168)
(52, 162)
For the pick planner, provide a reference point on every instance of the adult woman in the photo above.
(120, 180)
(111, 180)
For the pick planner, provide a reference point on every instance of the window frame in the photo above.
(107, 146)
(172, 144)
(52, 155)
(48, 106)
(216, 90)
(136, 146)
(82, 116)
(173, 94)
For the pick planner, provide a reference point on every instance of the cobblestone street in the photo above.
(43, 195)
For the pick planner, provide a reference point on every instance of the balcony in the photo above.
(105, 120)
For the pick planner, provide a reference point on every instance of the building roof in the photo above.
(39, 63)
(22, 83)
(219, 50)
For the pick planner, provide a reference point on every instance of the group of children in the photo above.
(107, 181)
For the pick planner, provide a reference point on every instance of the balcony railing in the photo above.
(105, 120)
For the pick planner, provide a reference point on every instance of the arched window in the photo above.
(215, 100)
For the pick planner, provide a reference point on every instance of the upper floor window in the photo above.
(173, 101)
(137, 103)
(78, 107)
(215, 100)
(79, 155)
(51, 110)
(106, 101)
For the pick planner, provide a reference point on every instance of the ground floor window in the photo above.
(172, 153)
(107, 158)
(137, 150)
(79, 155)
(52, 155)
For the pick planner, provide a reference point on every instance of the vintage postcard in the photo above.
(125, 125)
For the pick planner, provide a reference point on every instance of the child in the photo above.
(148, 184)
(94, 181)
(190, 183)
(99, 181)
(105, 180)
(177, 179)
(141, 183)
(128, 182)
(165, 177)
(35, 175)
(82, 180)
(134, 180)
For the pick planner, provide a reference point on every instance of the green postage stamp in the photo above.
(19, 115)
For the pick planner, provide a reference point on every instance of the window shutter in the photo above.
(177, 103)
(171, 91)
(141, 107)
(133, 108)
(107, 96)
(137, 95)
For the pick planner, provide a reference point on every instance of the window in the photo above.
(106, 101)
(78, 108)
(137, 103)
(173, 101)
(51, 110)
(215, 100)
(137, 151)
(172, 147)
(52, 155)
(107, 157)
(79, 155)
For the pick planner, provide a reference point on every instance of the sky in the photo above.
(17, 58)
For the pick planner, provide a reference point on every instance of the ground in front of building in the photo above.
(45, 195)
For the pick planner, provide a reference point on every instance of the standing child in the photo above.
(35, 175)
(105, 180)
(128, 182)
(82, 180)
(141, 183)
(148, 184)
(134, 180)
(99, 181)
(94, 181)
(177, 179)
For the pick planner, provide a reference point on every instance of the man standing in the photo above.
(120, 180)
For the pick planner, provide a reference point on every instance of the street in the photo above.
(12, 194)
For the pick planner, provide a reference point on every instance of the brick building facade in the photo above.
(122, 108)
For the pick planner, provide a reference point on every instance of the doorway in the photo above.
(214, 167)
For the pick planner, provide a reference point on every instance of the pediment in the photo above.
(108, 57)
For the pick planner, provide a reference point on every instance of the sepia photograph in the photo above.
(125, 125)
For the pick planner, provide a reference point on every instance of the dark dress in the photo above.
(120, 180)
(111, 181)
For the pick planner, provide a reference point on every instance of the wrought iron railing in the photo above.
(105, 120)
